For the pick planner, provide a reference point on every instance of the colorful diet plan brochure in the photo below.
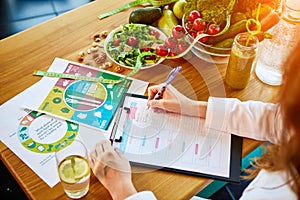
(174, 142)
(88, 103)
(34, 135)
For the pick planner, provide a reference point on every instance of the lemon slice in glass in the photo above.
(73, 168)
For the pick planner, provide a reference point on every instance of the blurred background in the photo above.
(16, 16)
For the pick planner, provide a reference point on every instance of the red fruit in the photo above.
(213, 29)
(193, 34)
(174, 53)
(188, 27)
(145, 49)
(171, 42)
(155, 33)
(194, 14)
(162, 50)
(132, 41)
(182, 46)
(151, 57)
(117, 42)
(203, 39)
(178, 32)
(199, 24)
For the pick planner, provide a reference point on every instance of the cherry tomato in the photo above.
(178, 32)
(203, 39)
(194, 14)
(117, 42)
(213, 29)
(193, 34)
(171, 42)
(199, 24)
(182, 46)
(174, 53)
(132, 41)
(162, 50)
(145, 48)
(151, 57)
(188, 27)
(155, 33)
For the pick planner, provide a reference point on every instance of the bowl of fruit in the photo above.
(218, 22)
(124, 44)
(208, 47)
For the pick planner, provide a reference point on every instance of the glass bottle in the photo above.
(272, 53)
(242, 56)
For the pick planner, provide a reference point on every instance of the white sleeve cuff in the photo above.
(217, 113)
(144, 195)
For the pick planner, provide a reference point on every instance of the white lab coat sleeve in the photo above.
(251, 119)
(144, 195)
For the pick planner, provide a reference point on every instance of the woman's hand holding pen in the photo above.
(173, 101)
(113, 170)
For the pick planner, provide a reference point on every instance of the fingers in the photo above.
(97, 158)
(97, 152)
(156, 104)
(106, 145)
(103, 151)
(152, 90)
(118, 152)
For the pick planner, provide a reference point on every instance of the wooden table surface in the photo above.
(72, 32)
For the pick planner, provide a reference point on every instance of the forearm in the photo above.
(196, 108)
(253, 119)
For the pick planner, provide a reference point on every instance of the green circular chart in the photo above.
(40, 133)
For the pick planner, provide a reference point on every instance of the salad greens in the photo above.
(129, 42)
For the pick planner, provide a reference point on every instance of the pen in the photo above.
(170, 78)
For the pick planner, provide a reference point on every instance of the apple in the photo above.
(178, 8)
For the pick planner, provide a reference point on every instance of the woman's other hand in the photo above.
(113, 170)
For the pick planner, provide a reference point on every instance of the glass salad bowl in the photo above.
(125, 43)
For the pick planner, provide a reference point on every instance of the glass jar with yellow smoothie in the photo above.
(241, 60)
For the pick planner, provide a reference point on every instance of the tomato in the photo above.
(203, 39)
(199, 24)
(194, 14)
(178, 32)
(145, 48)
(193, 34)
(182, 46)
(117, 42)
(171, 42)
(132, 41)
(174, 53)
(151, 57)
(188, 27)
(162, 50)
(155, 33)
(213, 29)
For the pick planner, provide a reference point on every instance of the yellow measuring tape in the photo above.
(154, 3)
(76, 77)
(138, 66)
